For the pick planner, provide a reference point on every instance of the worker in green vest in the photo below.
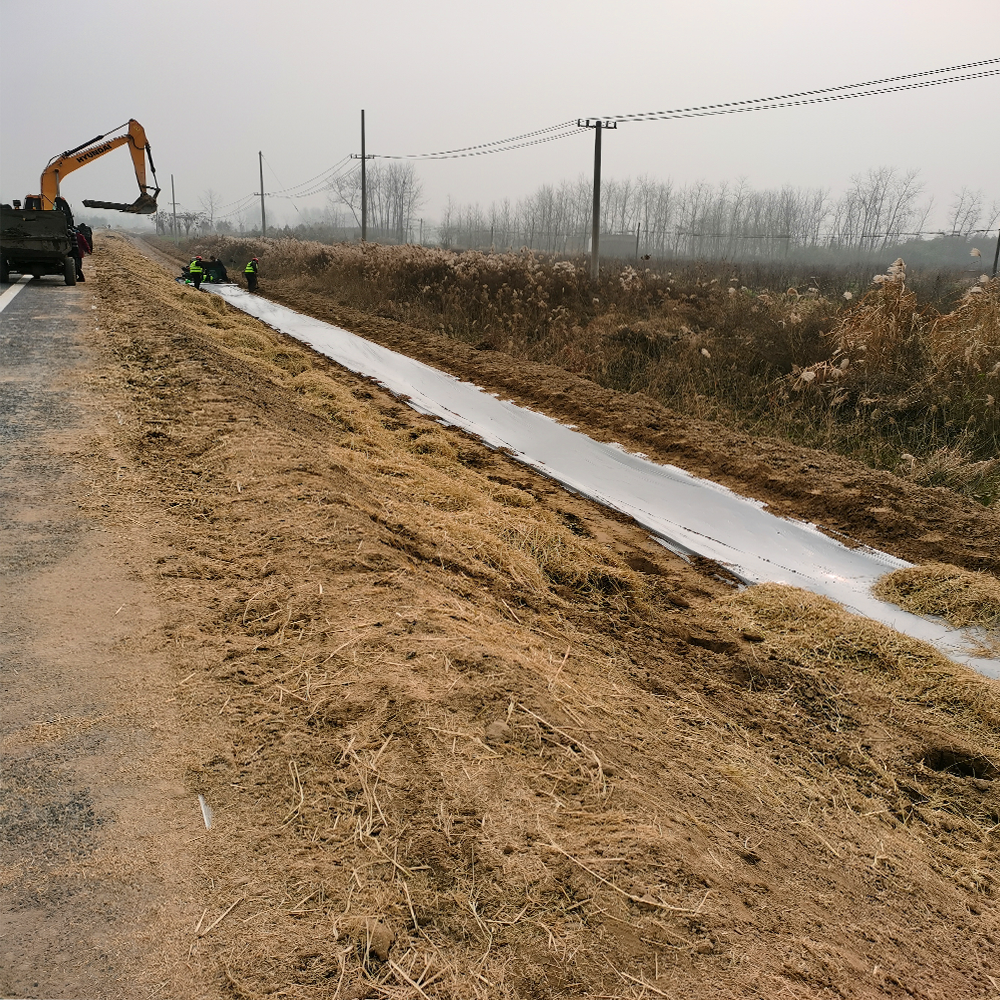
(250, 273)
(196, 272)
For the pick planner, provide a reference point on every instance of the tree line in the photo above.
(883, 207)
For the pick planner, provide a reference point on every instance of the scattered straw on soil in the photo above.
(465, 735)
(957, 595)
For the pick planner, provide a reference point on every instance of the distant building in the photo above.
(613, 245)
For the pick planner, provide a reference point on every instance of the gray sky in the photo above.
(214, 82)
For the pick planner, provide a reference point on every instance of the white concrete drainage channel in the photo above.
(686, 514)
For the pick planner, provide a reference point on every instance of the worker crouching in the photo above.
(196, 272)
(250, 273)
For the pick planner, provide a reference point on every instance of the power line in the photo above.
(868, 88)
(807, 96)
(743, 107)
(486, 148)
(324, 185)
(328, 175)
(481, 148)
(295, 187)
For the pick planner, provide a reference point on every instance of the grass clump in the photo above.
(912, 378)
(820, 635)
(963, 598)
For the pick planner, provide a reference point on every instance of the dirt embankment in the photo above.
(476, 737)
(916, 523)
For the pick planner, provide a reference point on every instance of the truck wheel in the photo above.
(69, 271)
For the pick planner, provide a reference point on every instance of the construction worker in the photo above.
(215, 272)
(79, 248)
(196, 272)
(250, 273)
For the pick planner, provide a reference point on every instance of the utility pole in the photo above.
(173, 200)
(638, 229)
(598, 125)
(996, 256)
(263, 220)
(364, 180)
(364, 183)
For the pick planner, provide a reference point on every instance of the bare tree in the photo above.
(879, 209)
(188, 219)
(346, 190)
(964, 212)
(210, 203)
(394, 194)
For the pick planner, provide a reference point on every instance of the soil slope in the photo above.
(466, 735)
(917, 523)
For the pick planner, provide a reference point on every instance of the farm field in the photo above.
(463, 733)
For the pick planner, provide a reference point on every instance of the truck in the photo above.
(39, 237)
(36, 243)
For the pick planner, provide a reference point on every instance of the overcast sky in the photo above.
(213, 83)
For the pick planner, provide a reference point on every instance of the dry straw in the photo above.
(484, 749)
(962, 597)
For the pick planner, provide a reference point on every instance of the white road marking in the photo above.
(8, 296)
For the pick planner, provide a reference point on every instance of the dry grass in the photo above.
(468, 753)
(878, 378)
(963, 598)
(821, 635)
(490, 531)
(901, 367)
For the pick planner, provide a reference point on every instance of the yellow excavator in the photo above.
(59, 166)
(39, 238)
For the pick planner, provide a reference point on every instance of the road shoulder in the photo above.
(95, 816)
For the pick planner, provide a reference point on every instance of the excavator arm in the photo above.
(73, 159)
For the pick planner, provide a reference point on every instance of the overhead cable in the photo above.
(497, 146)
(869, 88)
(752, 104)
(769, 104)
(482, 151)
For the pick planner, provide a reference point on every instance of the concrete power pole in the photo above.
(598, 125)
(263, 220)
(364, 183)
(364, 158)
(996, 256)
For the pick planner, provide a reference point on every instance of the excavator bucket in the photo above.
(143, 205)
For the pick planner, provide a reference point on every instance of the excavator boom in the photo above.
(73, 159)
